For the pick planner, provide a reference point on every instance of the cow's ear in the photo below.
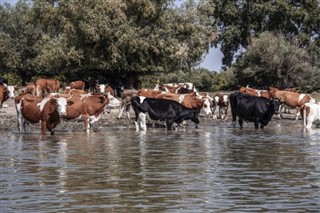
(69, 103)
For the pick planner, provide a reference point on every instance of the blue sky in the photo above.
(211, 61)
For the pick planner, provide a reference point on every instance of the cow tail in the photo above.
(304, 116)
(137, 105)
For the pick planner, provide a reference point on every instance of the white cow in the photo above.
(311, 114)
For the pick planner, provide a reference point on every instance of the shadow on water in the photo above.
(213, 168)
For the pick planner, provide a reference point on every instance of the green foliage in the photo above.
(272, 60)
(240, 21)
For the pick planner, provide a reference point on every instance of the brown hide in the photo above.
(109, 90)
(31, 88)
(3, 95)
(30, 109)
(291, 99)
(46, 85)
(255, 92)
(77, 85)
(85, 106)
(74, 92)
(188, 100)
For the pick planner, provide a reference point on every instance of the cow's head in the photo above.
(206, 107)
(11, 90)
(275, 104)
(195, 117)
(113, 102)
(62, 106)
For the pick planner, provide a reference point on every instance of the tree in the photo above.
(272, 60)
(240, 21)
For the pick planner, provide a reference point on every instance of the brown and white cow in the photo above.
(88, 107)
(310, 114)
(222, 105)
(255, 92)
(293, 100)
(179, 88)
(105, 88)
(46, 86)
(34, 109)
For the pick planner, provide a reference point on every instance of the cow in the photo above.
(255, 92)
(31, 88)
(34, 109)
(88, 107)
(310, 114)
(46, 86)
(161, 109)
(190, 100)
(79, 84)
(292, 100)
(3, 95)
(179, 88)
(222, 102)
(105, 88)
(3, 81)
(126, 96)
(258, 110)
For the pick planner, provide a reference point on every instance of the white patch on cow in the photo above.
(102, 88)
(82, 96)
(142, 99)
(225, 98)
(142, 121)
(113, 102)
(181, 97)
(62, 106)
(259, 92)
(313, 116)
(206, 107)
(301, 96)
(42, 103)
(11, 91)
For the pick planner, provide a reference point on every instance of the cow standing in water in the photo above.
(293, 100)
(163, 110)
(310, 114)
(34, 109)
(258, 110)
(88, 107)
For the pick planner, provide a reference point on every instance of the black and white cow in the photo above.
(161, 109)
(253, 109)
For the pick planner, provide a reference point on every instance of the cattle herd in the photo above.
(45, 102)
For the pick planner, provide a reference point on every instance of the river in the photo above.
(215, 168)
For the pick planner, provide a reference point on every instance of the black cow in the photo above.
(161, 109)
(3, 81)
(253, 109)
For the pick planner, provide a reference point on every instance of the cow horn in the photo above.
(69, 98)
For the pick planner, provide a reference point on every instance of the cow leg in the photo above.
(142, 121)
(240, 123)
(169, 124)
(43, 127)
(128, 111)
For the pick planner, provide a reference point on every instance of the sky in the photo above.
(211, 61)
